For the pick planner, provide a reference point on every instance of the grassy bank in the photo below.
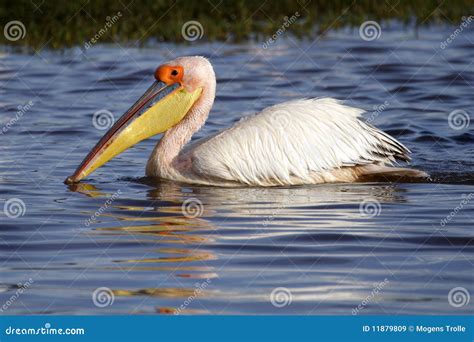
(67, 23)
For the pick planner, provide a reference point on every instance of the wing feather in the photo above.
(295, 140)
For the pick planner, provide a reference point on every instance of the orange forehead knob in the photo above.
(169, 74)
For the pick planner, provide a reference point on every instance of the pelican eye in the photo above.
(169, 74)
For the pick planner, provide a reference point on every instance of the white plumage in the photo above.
(306, 141)
(297, 142)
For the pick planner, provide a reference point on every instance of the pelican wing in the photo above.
(294, 140)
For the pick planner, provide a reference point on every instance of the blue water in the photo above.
(327, 249)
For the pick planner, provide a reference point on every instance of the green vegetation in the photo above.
(58, 23)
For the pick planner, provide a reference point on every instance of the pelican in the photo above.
(305, 141)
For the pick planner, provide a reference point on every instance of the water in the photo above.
(402, 255)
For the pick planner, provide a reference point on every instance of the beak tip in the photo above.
(70, 180)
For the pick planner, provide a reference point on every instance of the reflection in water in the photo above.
(167, 230)
(261, 213)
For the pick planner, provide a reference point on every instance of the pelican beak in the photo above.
(160, 108)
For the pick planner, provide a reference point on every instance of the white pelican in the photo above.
(306, 141)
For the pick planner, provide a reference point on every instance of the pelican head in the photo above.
(179, 85)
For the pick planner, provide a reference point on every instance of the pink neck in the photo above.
(173, 140)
